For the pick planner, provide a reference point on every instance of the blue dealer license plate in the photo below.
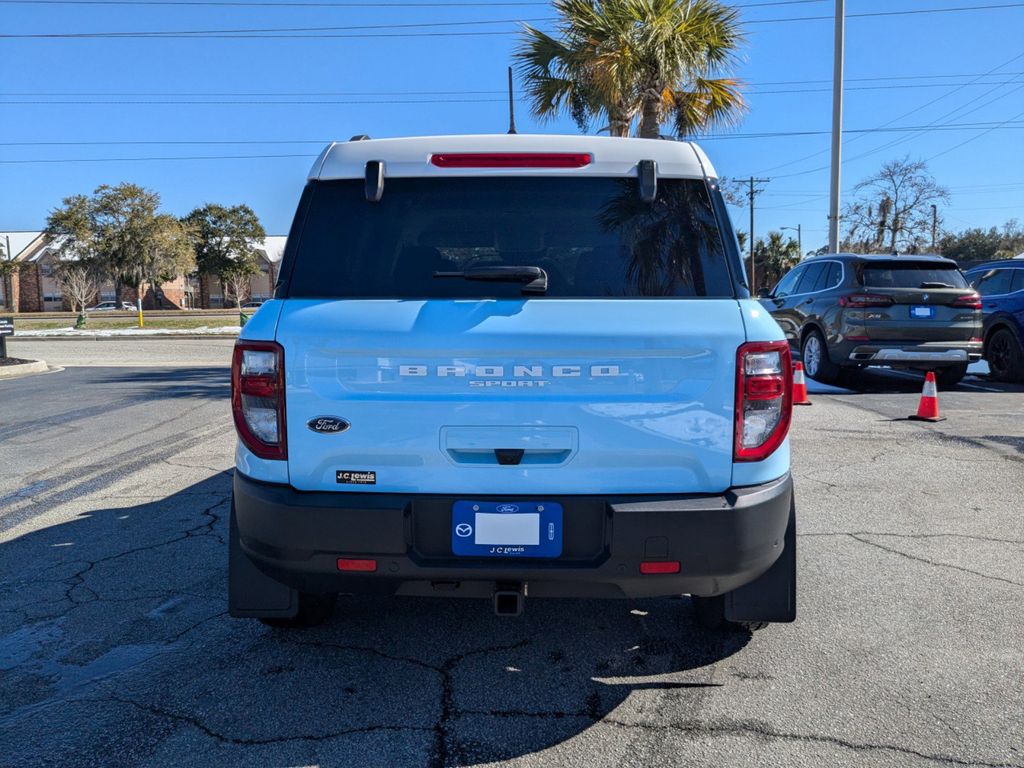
(507, 528)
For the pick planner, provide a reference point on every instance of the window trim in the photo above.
(1011, 270)
(842, 277)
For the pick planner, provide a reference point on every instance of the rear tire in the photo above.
(710, 613)
(817, 364)
(314, 610)
(1005, 356)
(950, 376)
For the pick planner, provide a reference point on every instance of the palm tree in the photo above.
(645, 61)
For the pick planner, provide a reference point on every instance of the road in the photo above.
(115, 649)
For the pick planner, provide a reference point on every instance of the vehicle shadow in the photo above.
(881, 381)
(116, 620)
(213, 383)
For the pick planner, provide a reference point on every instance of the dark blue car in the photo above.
(1001, 285)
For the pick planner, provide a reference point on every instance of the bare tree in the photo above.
(236, 284)
(893, 209)
(79, 280)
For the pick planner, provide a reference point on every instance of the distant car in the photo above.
(111, 306)
(1001, 285)
(845, 312)
(252, 305)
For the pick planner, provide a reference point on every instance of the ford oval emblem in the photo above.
(506, 509)
(328, 425)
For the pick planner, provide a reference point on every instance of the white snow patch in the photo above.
(227, 330)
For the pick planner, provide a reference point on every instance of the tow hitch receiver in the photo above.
(508, 598)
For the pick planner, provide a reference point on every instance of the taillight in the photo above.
(860, 300)
(967, 301)
(764, 399)
(511, 160)
(257, 397)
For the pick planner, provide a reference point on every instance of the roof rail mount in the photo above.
(647, 170)
(374, 180)
(360, 137)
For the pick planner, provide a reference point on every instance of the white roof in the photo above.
(609, 156)
(273, 247)
(19, 241)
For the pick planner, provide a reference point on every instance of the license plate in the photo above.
(922, 313)
(507, 528)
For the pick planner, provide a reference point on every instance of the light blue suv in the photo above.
(511, 366)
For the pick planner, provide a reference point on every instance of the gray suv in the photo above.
(847, 311)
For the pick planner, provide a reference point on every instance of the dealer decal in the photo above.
(356, 477)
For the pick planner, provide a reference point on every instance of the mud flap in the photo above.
(251, 593)
(771, 596)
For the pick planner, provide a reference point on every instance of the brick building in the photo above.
(34, 288)
(211, 294)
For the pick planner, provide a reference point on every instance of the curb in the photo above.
(10, 371)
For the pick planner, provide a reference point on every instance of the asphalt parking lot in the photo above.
(116, 650)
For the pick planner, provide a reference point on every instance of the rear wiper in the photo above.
(534, 279)
(935, 285)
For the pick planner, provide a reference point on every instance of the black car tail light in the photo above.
(861, 300)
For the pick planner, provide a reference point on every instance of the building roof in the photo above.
(609, 156)
(31, 247)
(273, 248)
(20, 242)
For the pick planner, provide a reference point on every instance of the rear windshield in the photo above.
(593, 236)
(911, 274)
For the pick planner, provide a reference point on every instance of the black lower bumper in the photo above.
(721, 542)
(907, 354)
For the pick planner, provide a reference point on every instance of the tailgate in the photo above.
(512, 396)
(919, 315)
(923, 295)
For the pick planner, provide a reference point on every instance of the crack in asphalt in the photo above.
(935, 434)
(860, 537)
(223, 738)
(756, 729)
(77, 579)
(443, 750)
(914, 535)
(734, 728)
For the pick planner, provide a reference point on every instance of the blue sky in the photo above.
(938, 68)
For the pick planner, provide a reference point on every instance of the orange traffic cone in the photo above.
(928, 410)
(800, 385)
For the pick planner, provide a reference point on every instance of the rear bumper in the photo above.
(721, 541)
(910, 353)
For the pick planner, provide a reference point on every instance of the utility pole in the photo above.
(935, 224)
(751, 194)
(8, 286)
(837, 128)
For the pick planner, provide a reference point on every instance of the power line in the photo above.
(1011, 123)
(975, 137)
(900, 117)
(305, 4)
(319, 31)
(298, 94)
(131, 160)
(243, 32)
